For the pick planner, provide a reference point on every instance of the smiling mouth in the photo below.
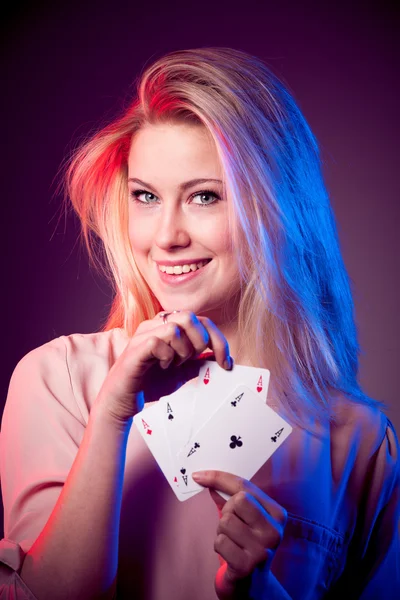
(183, 269)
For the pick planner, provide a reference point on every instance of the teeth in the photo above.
(179, 269)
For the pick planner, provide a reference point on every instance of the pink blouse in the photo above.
(341, 491)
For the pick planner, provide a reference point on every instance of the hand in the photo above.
(155, 344)
(249, 531)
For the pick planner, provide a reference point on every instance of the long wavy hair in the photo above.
(296, 314)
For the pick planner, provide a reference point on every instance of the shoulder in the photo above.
(78, 345)
(65, 349)
(70, 368)
(91, 346)
(363, 440)
(360, 421)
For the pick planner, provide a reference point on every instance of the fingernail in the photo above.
(198, 476)
(228, 363)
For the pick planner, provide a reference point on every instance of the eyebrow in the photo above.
(183, 186)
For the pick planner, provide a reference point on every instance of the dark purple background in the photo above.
(66, 67)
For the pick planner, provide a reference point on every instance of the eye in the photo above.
(212, 197)
(136, 193)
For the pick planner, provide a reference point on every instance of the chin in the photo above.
(198, 308)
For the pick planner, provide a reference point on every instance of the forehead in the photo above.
(167, 148)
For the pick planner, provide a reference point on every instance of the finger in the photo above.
(237, 559)
(195, 331)
(261, 526)
(202, 332)
(243, 535)
(218, 343)
(154, 349)
(174, 335)
(232, 484)
(248, 509)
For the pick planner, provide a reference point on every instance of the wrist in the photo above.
(102, 417)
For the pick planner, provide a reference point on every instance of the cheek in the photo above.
(220, 238)
(139, 237)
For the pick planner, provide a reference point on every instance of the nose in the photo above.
(172, 231)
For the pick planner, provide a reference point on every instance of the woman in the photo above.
(212, 166)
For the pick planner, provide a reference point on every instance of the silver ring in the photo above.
(164, 315)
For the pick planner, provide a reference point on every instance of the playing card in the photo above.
(215, 384)
(176, 410)
(149, 422)
(176, 416)
(238, 438)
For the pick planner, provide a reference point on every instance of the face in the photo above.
(178, 227)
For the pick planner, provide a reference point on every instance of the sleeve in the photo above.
(372, 568)
(41, 430)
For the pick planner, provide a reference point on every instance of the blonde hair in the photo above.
(296, 315)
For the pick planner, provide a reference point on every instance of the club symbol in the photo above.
(193, 449)
(277, 434)
(237, 399)
(236, 442)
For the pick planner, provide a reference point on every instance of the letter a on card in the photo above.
(146, 427)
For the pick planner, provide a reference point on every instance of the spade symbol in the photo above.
(236, 442)
(184, 477)
(170, 417)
